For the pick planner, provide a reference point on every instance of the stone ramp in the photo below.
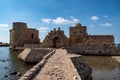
(57, 68)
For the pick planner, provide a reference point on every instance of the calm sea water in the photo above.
(104, 67)
(10, 63)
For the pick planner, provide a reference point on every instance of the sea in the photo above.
(9, 63)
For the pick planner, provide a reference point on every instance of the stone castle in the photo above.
(21, 35)
(79, 35)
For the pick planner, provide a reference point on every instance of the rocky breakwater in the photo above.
(78, 64)
(82, 68)
(33, 55)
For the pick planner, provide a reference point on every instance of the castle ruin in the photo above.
(79, 35)
(20, 35)
(56, 39)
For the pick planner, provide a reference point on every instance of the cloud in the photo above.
(46, 20)
(105, 16)
(94, 18)
(61, 20)
(74, 20)
(43, 29)
(4, 27)
(106, 24)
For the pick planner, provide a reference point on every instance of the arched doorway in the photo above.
(56, 42)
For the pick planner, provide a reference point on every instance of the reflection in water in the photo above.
(11, 64)
(104, 67)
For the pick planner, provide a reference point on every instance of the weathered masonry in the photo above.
(79, 35)
(56, 39)
(20, 35)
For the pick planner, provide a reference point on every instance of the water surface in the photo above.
(104, 67)
(10, 63)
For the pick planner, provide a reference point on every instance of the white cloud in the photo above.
(94, 18)
(61, 20)
(4, 27)
(43, 29)
(106, 24)
(74, 19)
(92, 26)
(46, 20)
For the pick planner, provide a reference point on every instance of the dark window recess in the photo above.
(32, 36)
(74, 33)
(14, 29)
(81, 33)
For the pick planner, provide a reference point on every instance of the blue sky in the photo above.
(100, 16)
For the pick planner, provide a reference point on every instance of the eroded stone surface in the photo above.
(33, 55)
(57, 68)
(20, 35)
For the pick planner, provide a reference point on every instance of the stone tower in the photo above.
(78, 34)
(20, 35)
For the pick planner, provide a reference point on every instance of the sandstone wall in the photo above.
(20, 35)
(79, 35)
(33, 55)
(56, 39)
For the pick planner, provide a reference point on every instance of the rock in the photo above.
(8, 60)
(6, 75)
(5, 67)
(13, 73)
(3, 60)
(75, 78)
(18, 74)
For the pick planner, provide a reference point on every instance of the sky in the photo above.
(102, 17)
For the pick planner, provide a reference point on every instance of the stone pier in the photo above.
(57, 68)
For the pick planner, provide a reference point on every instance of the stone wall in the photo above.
(82, 68)
(56, 39)
(101, 39)
(78, 34)
(32, 45)
(33, 55)
(104, 49)
(20, 35)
